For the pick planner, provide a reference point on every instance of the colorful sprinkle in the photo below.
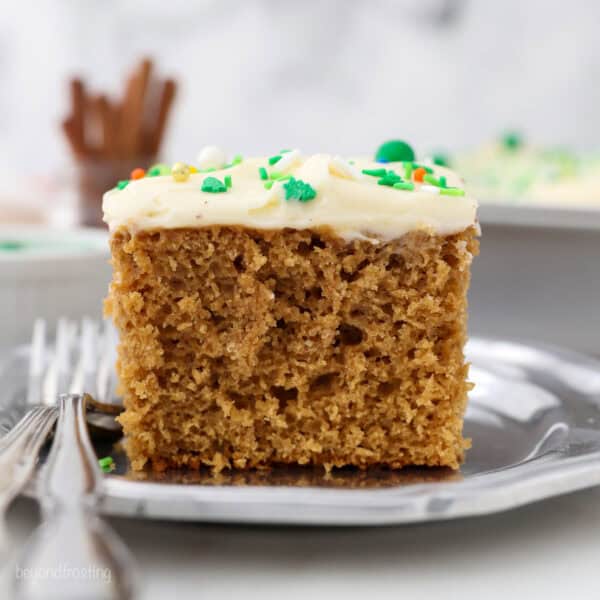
(296, 189)
(374, 172)
(269, 185)
(274, 159)
(408, 170)
(262, 172)
(432, 179)
(237, 159)
(11, 245)
(213, 185)
(422, 166)
(227, 181)
(107, 464)
(419, 174)
(389, 179)
(394, 151)
(404, 185)
(452, 192)
(121, 185)
(180, 172)
(137, 174)
(440, 159)
(512, 140)
(158, 170)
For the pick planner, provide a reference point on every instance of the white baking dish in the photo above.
(50, 273)
(538, 275)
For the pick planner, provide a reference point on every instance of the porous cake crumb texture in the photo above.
(246, 348)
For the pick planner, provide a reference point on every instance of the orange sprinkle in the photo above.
(137, 173)
(418, 174)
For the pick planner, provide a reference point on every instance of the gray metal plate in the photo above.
(534, 419)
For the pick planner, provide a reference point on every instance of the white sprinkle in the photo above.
(287, 160)
(432, 189)
(340, 166)
(211, 157)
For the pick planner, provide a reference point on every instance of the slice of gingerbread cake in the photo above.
(292, 309)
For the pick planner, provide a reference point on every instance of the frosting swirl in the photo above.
(350, 197)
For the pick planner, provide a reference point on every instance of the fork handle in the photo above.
(19, 451)
(71, 475)
(73, 542)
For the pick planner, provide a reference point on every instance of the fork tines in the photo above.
(80, 360)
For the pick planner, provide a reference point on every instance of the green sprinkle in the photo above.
(404, 185)
(512, 140)
(121, 185)
(274, 159)
(275, 175)
(390, 178)
(210, 170)
(375, 172)
(157, 170)
(452, 192)
(440, 159)
(428, 170)
(431, 179)
(11, 245)
(296, 189)
(263, 173)
(394, 151)
(269, 185)
(443, 182)
(283, 178)
(408, 170)
(213, 186)
(284, 151)
(227, 181)
(107, 464)
(236, 160)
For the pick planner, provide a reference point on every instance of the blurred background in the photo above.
(331, 76)
(335, 75)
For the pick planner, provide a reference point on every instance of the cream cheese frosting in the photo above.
(347, 200)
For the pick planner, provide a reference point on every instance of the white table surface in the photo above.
(546, 550)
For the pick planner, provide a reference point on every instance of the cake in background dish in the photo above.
(292, 309)
(48, 273)
(513, 171)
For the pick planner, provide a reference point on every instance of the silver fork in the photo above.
(48, 375)
(20, 447)
(72, 538)
(76, 551)
(19, 450)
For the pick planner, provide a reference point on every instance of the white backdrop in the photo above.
(334, 75)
